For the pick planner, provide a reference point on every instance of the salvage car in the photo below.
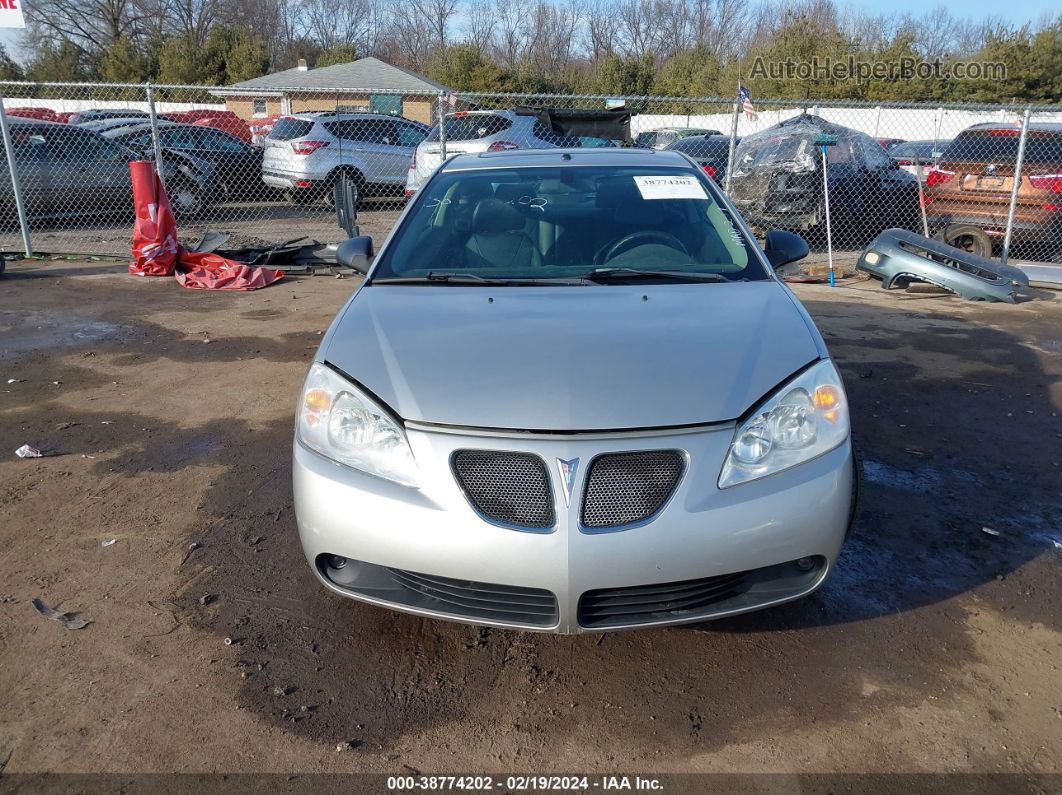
(307, 153)
(572, 395)
(777, 181)
(710, 152)
(968, 193)
(479, 131)
(69, 171)
(898, 257)
(666, 136)
(918, 156)
(237, 165)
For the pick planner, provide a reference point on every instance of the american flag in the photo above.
(746, 103)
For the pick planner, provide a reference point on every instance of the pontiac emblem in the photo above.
(567, 473)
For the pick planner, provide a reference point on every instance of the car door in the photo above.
(891, 198)
(236, 165)
(32, 164)
(376, 140)
(88, 173)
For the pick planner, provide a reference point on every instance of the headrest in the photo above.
(493, 216)
(617, 191)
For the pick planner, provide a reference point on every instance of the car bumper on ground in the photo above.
(707, 553)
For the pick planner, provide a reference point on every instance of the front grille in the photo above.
(626, 488)
(476, 600)
(643, 604)
(507, 488)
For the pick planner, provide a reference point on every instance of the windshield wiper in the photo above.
(625, 274)
(436, 277)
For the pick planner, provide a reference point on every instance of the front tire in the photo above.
(186, 199)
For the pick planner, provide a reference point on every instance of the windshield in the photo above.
(1001, 145)
(564, 222)
(769, 150)
(470, 126)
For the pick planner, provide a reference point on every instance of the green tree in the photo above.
(341, 53)
(122, 62)
(690, 73)
(801, 41)
(181, 61)
(464, 67)
(624, 76)
(233, 54)
(9, 68)
(63, 63)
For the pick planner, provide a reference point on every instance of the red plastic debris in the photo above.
(157, 253)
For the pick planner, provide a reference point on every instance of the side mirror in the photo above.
(345, 199)
(782, 247)
(355, 253)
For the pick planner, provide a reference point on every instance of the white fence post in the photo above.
(16, 187)
(1015, 186)
(155, 132)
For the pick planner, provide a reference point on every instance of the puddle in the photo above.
(25, 331)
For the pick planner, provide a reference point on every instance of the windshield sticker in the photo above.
(670, 188)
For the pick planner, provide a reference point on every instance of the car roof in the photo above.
(321, 115)
(24, 121)
(1047, 126)
(595, 156)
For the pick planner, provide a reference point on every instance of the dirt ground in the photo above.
(936, 646)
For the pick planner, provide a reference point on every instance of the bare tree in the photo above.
(481, 24)
(90, 24)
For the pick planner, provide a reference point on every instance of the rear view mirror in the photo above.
(345, 198)
(355, 253)
(782, 247)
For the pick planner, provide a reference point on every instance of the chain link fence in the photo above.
(260, 167)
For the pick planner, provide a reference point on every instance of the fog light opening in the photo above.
(336, 561)
(806, 564)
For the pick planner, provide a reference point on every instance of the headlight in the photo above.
(804, 419)
(340, 422)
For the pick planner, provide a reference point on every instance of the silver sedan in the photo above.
(571, 395)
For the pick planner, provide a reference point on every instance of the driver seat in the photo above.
(498, 239)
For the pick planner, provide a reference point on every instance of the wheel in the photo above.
(186, 199)
(968, 238)
(355, 177)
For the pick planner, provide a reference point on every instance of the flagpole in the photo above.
(733, 133)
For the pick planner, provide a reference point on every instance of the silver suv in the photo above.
(481, 131)
(306, 152)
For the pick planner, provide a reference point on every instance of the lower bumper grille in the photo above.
(507, 603)
(662, 602)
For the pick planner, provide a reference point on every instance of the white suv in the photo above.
(480, 131)
(306, 152)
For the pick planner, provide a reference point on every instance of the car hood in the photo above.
(571, 358)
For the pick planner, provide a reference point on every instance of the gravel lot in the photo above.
(935, 646)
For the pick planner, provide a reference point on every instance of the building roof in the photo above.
(363, 74)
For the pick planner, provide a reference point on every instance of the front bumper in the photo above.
(432, 541)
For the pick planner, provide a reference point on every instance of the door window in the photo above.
(408, 135)
(178, 138)
(214, 141)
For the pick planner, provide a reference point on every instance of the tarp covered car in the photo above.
(899, 257)
(776, 180)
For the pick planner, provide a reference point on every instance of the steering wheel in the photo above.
(626, 243)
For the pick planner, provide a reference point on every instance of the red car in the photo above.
(41, 114)
(260, 128)
(233, 125)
